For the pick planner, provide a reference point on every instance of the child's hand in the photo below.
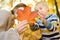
(21, 27)
(42, 17)
(44, 21)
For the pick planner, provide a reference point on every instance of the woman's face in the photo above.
(15, 11)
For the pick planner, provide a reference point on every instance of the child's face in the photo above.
(42, 10)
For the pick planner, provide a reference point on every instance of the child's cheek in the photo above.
(45, 11)
(46, 8)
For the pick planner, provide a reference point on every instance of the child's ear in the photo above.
(47, 8)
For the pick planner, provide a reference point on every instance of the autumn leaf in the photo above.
(26, 14)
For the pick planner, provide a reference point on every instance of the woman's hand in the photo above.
(21, 27)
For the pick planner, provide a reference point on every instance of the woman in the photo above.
(10, 33)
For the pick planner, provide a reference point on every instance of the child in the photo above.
(48, 23)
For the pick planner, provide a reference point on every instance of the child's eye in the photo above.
(40, 8)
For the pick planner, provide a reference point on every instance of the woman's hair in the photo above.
(18, 6)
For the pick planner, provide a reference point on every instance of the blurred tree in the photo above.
(58, 14)
(1, 2)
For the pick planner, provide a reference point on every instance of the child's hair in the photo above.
(18, 6)
(44, 4)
